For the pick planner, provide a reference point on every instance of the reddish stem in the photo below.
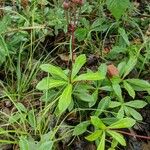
(73, 33)
(73, 43)
(134, 135)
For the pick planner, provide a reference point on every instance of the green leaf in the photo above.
(130, 65)
(97, 23)
(118, 91)
(117, 136)
(109, 120)
(123, 123)
(117, 7)
(48, 83)
(47, 145)
(140, 83)
(85, 97)
(129, 89)
(33, 144)
(120, 113)
(48, 96)
(23, 143)
(103, 105)
(81, 128)
(21, 107)
(106, 88)
(3, 50)
(136, 104)
(89, 76)
(4, 23)
(114, 104)
(116, 80)
(114, 144)
(65, 99)
(79, 62)
(95, 135)
(116, 51)
(124, 35)
(81, 34)
(101, 145)
(136, 115)
(53, 70)
(121, 68)
(71, 106)
(97, 122)
(95, 97)
(102, 70)
(31, 119)
(14, 118)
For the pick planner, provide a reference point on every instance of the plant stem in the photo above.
(134, 135)
(71, 21)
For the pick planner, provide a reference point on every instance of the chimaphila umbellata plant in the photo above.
(68, 86)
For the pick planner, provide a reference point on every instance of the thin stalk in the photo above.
(134, 135)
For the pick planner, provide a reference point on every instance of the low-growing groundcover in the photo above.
(74, 74)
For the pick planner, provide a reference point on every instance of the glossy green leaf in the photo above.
(97, 122)
(121, 67)
(129, 89)
(65, 99)
(97, 23)
(116, 80)
(101, 145)
(95, 135)
(124, 35)
(95, 98)
(85, 97)
(118, 91)
(114, 143)
(130, 65)
(136, 115)
(123, 123)
(103, 105)
(71, 106)
(4, 23)
(48, 96)
(81, 128)
(32, 119)
(116, 51)
(138, 82)
(47, 145)
(48, 83)
(106, 88)
(48, 136)
(3, 49)
(79, 62)
(14, 117)
(21, 107)
(117, 136)
(102, 69)
(136, 104)
(120, 113)
(53, 70)
(23, 143)
(114, 104)
(81, 34)
(117, 7)
(109, 120)
(89, 76)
